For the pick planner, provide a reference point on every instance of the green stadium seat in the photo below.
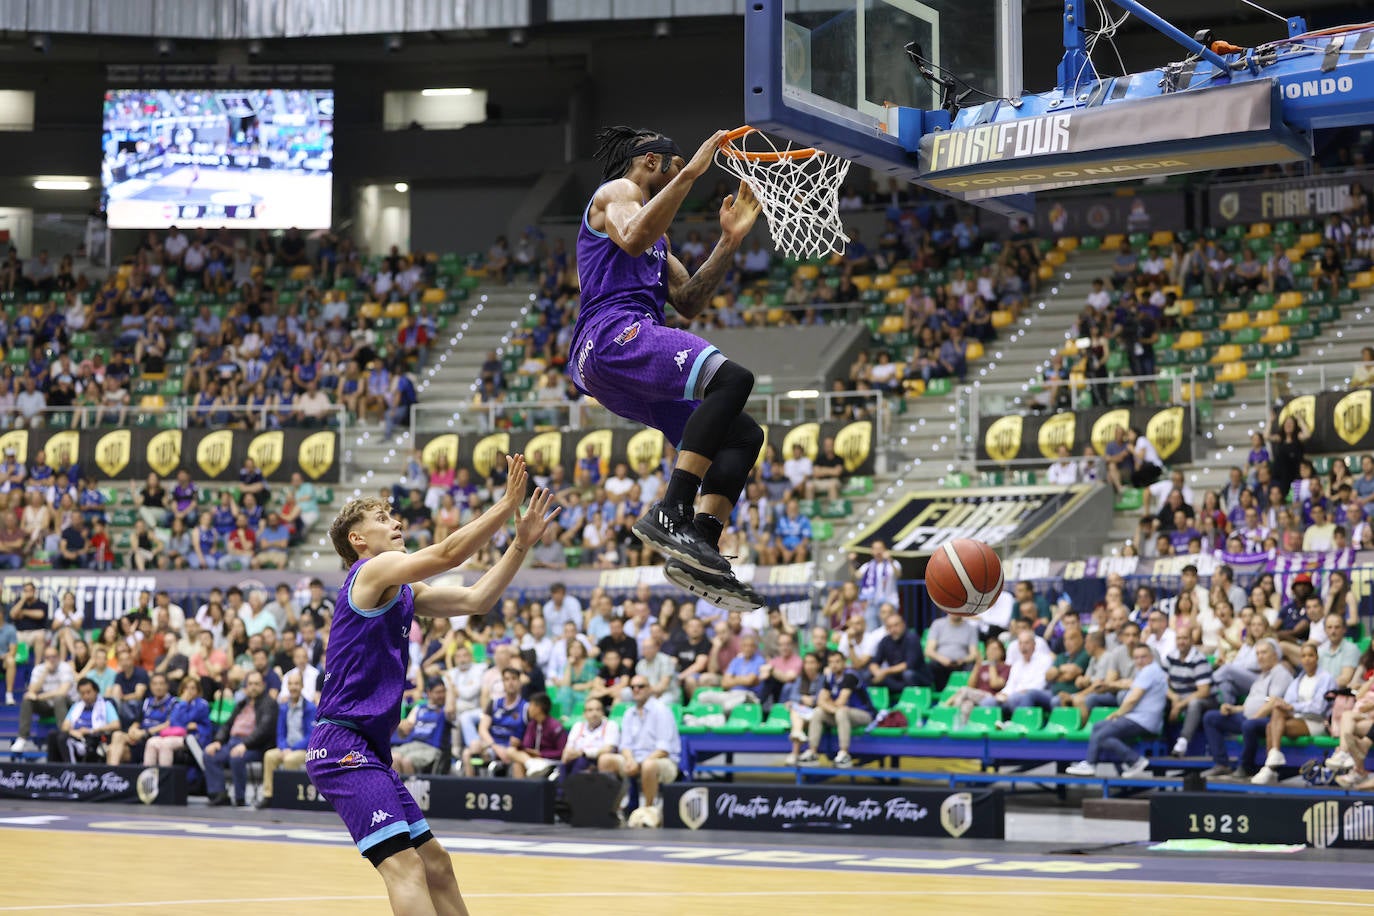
(957, 679)
(1130, 499)
(1024, 721)
(822, 531)
(1062, 726)
(743, 718)
(809, 507)
(938, 386)
(956, 480)
(936, 725)
(920, 697)
(981, 721)
(860, 485)
(836, 508)
(880, 696)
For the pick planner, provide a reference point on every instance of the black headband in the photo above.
(658, 145)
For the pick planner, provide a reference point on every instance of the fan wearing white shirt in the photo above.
(797, 470)
(1028, 668)
(1159, 491)
(618, 486)
(1099, 298)
(857, 643)
(1064, 472)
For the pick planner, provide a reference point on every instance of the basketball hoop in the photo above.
(797, 189)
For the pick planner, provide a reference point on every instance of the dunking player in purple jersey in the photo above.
(349, 756)
(625, 356)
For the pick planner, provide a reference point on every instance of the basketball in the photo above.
(964, 577)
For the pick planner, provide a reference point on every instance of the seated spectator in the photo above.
(794, 535)
(1026, 684)
(802, 701)
(784, 670)
(190, 716)
(503, 720)
(989, 677)
(649, 745)
(743, 679)
(50, 685)
(418, 745)
(951, 645)
(463, 698)
(1140, 715)
(660, 669)
(1108, 676)
(1250, 720)
(542, 746)
(1338, 656)
(842, 702)
(249, 732)
(85, 728)
(156, 716)
(827, 471)
(857, 645)
(613, 679)
(797, 470)
(589, 739)
(29, 614)
(1190, 687)
(1301, 713)
(272, 541)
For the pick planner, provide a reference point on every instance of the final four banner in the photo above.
(1018, 438)
(1339, 420)
(209, 454)
(643, 450)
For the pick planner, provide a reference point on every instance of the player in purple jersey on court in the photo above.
(349, 756)
(624, 354)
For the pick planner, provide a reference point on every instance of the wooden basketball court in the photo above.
(130, 871)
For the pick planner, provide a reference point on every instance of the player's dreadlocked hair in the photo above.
(616, 146)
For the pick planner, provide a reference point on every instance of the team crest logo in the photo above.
(352, 760)
(147, 785)
(694, 807)
(956, 813)
(627, 335)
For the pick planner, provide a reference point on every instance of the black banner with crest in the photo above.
(209, 454)
(643, 450)
(1338, 420)
(1037, 438)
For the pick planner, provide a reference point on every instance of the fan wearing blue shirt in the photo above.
(1140, 715)
(295, 719)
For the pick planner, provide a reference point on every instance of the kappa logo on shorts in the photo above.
(681, 358)
(378, 816)
(352, 760)
(627, 335)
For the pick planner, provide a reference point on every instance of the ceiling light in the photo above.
(401, 187)
(455, 91)
(62, 184)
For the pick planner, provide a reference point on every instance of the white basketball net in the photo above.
(798, 191)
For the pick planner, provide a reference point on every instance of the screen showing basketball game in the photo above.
(241, 158)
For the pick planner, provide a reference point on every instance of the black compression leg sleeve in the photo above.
(711, 423)
(730, 471)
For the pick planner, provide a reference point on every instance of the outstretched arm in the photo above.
(456, 600)
(689, 294)
(395, 568)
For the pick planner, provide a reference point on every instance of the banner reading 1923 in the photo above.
(209, 454)
(642, 450)
(1339, 420)
(1018, 438)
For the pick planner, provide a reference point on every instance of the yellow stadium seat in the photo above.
(1362, 280)
(1188, 340)
(302, 272)
(476, 271)
(915, 387)
(808, 271)
(1176, 290)
(775, 316)
(125, 271)
(1069, 350)
(897, 295)
(1279, 333)
(1046, 272)
(370, 310)
(432, 296)
(893, 324)
(975, 350)
(1068, 243)
(1259, 231)
(1190, 391)
(1265, 319)
(1187, 307)
(1235, 321)
(1002, 318)
(396, 310)
(1310, 240)
(1232, 372)
(1113, 241)
(863, 282)
(1055, 257)
(1290, 300)
(1162, 237)
(1227, 353)
(152, 402)
(884, 281)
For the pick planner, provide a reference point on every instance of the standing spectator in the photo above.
(1301, 713)
(50, 686)
(877, 580)
(844, 703)
(250, 731)
(1250, 720)
(1140, 715)
(951, 645)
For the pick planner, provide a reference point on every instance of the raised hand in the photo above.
(517, 478)
(738, 212)
(704, 156)
(530, 526)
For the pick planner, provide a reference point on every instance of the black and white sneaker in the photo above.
(672, 533)
(724, 591)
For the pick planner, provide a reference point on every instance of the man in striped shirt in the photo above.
(1190, 688)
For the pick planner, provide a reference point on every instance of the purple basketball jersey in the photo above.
(615, 282)
(366, 662)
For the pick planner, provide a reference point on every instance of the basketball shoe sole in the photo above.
(723, 591)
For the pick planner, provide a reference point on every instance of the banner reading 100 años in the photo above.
(1034, 438)
(209, 454)
(642, 450)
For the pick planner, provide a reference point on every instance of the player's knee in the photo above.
(437, 863)
(732, 381)
(751, 435)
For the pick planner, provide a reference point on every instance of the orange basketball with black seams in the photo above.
(964, 577)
